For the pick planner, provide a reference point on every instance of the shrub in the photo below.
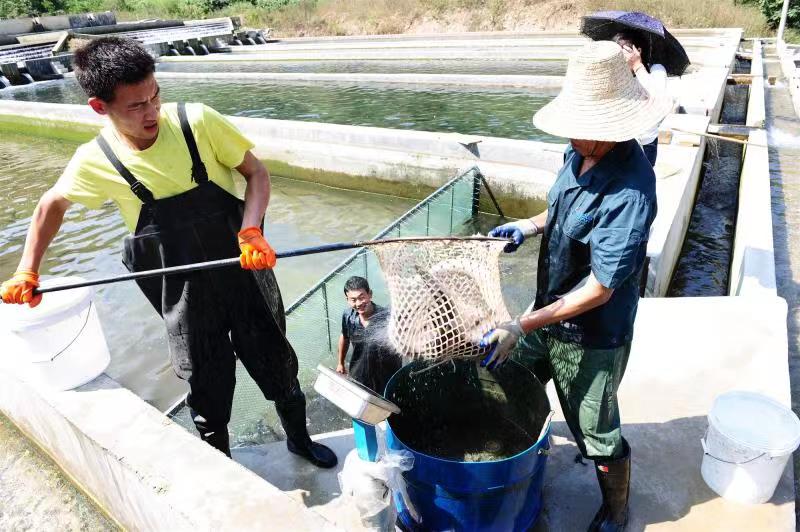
(14, 8)
(772, 11)
(272, 5)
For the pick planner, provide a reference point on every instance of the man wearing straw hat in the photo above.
(594, 238)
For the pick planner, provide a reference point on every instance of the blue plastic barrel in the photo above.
(446, 492)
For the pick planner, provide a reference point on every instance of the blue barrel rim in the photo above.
(527, 450)
(545, 432)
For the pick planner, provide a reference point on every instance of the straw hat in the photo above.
(601, 100)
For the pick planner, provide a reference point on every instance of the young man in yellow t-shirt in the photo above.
(169, 169)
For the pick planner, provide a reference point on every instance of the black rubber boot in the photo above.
(292, 412)
(216, 436)
(614, 477)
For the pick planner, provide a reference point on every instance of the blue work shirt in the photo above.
(598, 223)
(372, 362)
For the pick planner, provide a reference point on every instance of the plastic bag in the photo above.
(370, 484)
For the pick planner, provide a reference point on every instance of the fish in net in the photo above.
(445, 294)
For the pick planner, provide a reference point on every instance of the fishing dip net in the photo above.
(445, 294)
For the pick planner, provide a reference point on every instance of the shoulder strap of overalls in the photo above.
(141, 191)
(199, 174)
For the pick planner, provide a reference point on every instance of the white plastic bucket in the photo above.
(57, 345)
(749, 441)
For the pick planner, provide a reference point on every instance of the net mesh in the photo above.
(314, 320)
(445, 295)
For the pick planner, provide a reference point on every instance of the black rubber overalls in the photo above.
(214, 316)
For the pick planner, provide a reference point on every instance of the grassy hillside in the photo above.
(353, 17)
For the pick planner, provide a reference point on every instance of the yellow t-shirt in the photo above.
(165, 167)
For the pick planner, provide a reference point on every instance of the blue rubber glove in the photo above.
(503, 339)
(517, 231)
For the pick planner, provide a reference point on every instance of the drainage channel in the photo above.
(703, 267)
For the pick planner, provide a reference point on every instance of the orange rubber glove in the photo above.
(19, 289)
(256, 253)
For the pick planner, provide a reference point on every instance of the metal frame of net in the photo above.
(314, 320)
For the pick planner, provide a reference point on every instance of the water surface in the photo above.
(703, 266)
(497, 112)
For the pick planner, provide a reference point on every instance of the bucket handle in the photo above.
(74, 339)
(545, 428)
(705, 452)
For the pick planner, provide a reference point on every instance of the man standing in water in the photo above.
(169, 169)
(364, 323)
(594, 239)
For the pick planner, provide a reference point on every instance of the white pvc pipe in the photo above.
(784, 14)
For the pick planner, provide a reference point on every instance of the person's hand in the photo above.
(633, 56)
(256, 253)
(501, 340)
(341, 369)
(517, 231)
(19, 289)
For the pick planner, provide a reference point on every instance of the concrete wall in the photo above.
(753, 261)
(722, 57)
(543, 84)
(506, 44)
(142, 469)
(14, 26)
(682, 34)
(756, 110)
(677, 175)
(701, 92)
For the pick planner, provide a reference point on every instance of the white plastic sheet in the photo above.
(369, 485)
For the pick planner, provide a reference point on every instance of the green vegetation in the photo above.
(351, 17)
(149, 8)
(771, 9)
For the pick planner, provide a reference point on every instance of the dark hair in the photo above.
(356, 283)
(108, 62)
(636, 39)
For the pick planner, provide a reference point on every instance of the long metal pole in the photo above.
(782, 25)
(235, 261)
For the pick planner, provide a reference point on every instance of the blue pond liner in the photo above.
(455, 414)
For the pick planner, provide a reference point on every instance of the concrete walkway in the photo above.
(783, 129)
(671, 382)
